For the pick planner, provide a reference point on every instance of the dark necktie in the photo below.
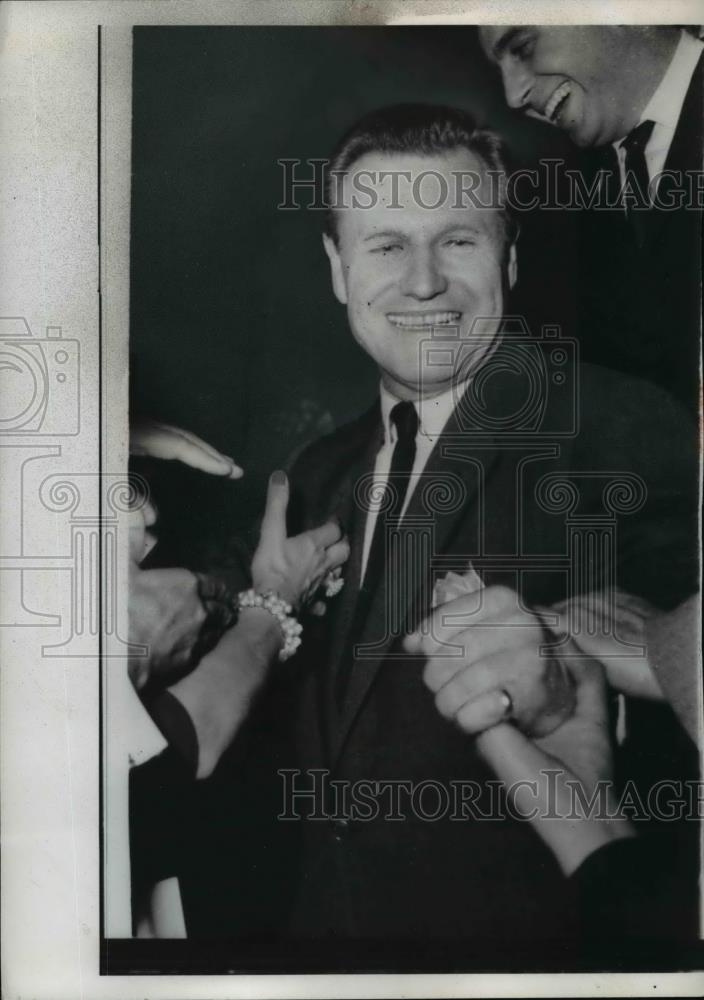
(405, 419)
(607, 161)
(637, 171)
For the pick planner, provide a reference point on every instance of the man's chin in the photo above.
(581, 138)
(436, 383)
(414, 386)
(580, 129)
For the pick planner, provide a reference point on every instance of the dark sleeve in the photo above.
(673, 646)
(643, 887)
(161, 818)
(639, 435)
(176, 726)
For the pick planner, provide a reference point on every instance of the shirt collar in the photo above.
(665, 105)
(433, 413)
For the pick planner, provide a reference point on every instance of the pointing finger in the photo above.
(213, 461)
(168, 443)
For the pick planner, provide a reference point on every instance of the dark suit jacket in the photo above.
(470, 885)
(639, 307)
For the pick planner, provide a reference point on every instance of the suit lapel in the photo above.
(449, 493)
(353, 517)
(685, 153)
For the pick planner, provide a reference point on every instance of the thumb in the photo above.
(140, 539)
(273, 531)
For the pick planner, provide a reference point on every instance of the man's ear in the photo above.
(337, 274)
(512, 268)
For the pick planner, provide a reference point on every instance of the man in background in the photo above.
(632, 97)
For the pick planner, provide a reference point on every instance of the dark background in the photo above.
(235, 333)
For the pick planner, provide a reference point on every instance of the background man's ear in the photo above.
(337, 274)
(512, 265)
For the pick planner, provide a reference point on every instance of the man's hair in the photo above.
(425, 129)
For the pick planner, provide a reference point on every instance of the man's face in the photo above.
(586, 80)
(408, 273)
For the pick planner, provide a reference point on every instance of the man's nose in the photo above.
(424, 278)
(518, 82)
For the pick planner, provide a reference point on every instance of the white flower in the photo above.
(333, 585)
(453, 585)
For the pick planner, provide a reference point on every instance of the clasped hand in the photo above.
(483, 653)
(484, 657)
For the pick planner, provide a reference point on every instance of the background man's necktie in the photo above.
(405, 419)
(637, 170)
(606, 159)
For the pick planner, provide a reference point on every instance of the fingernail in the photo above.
(278, 478)
(236, 472)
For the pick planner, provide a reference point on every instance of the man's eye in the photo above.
(523, 50)
(461, 241)
(387, 248)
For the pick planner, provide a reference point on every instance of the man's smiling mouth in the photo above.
(423, 320)
(557, 101)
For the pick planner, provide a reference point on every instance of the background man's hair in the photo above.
(425, 129)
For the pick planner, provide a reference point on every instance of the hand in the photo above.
(492, 667)
(157, 440)
(166, 613)
(608, 620)
(294, 567)
(541, 775)
(141, 518)
(165, 616)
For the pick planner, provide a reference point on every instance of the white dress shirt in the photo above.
(433, 414)
(665, 106)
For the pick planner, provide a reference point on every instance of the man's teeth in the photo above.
(415, 320)
(562, 92)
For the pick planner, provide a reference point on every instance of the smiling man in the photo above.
(593, 81)
(330, 835)
(423, 269)
(634, 95)
(421, 259)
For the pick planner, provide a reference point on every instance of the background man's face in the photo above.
(580, 79)
(407, 272)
